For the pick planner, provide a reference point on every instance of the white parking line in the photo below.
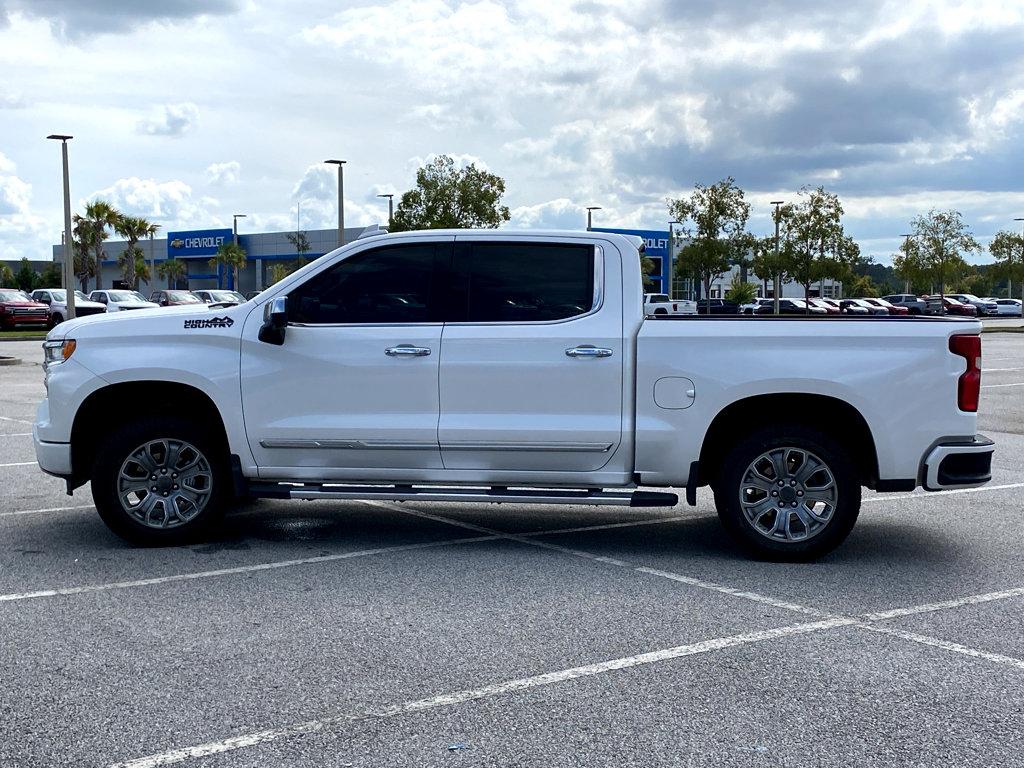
(17, 464)
(893, 497)
(46, 510)
(235, 570)
(15, 435)
(1012, 384)
(12, 419)
(940, 643)
(483, 692)
(989, 370)
(941, 605)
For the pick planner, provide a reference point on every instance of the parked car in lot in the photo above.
(56, 299)
(19, 309)
(953, 306)
(790, 307)
(1006, 306)
(661, 304)
(825, 304)
(915, 305)
(219, 296)
(890, 309)
(173, 298)
(717, 307)
(119, 299)
(983, 306)
(318, 393)
(749, 307)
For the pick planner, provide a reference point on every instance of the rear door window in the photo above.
(524, 282)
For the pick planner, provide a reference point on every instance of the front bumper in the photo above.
(959, 464)
(53, 458)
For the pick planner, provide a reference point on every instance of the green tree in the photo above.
(302, 247)
(232, 257)
(172, 270)
(1008, 250)
(280, 271)
(449, 197)
(133, 260)
(99, 217)
(51, 277)
(646, 270)
(816, 245)
(715, 220)
(908, 265)
(740, 291)
(769, 264)
(944, 239)
(862, 285)
(6, 277)
(26, 278)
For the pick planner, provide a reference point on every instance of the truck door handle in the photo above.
(588, 351)
(407, 350)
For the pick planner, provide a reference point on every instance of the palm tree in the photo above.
(231, 256)
(133, 229)
(99, 215)
(172, 269)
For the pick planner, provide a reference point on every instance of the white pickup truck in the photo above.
(661, 304)
(500, 366)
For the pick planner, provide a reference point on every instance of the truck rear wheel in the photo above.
(161, 481)
(788, 493)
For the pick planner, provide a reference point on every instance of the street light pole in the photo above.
(672, 261)
(341, 199)
(69, 245)
(391, 205)
(906, 250)
(590, 211)
(1009, 281)
(234, 239)
(776, 280)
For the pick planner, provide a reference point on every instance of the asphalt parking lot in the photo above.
(332, 633)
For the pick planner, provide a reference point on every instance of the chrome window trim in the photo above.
(598, 300)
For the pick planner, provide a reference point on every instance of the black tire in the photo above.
(661, 311)
(56, 319)
(915, 310)
(116, 450)
(730, 483)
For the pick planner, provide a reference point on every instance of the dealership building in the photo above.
(196, 247)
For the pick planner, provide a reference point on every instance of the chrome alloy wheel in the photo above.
(165, 483)
(788, 494)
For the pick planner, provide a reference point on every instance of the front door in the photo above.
(531, 373)
(354, 386)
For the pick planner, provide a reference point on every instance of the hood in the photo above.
(133, 303)
(23, 303)
(154, 321)
(84, 303)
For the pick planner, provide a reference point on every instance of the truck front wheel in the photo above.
(161, 481)
(788, 493)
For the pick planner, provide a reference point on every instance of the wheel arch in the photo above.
(100, 408)
(806, 409)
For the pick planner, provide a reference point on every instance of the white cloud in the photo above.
(169, 120)
(223, 173)
(168, 202)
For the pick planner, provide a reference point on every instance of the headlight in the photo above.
(58, 351)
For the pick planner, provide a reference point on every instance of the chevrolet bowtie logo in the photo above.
(177, 243)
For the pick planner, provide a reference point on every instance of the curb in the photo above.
(8, 361)
(23, 338)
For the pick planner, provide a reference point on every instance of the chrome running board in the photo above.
(426, 493)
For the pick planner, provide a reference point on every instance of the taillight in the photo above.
(969, 385)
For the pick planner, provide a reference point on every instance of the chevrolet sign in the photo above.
(196, 242)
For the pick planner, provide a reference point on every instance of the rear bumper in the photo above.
(959, 464)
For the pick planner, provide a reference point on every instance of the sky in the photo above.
(188, 111)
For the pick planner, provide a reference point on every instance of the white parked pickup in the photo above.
(661, 304)
(504, 366)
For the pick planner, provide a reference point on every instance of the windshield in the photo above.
(658, 298)
(185, 297)
(125, 296)
(14, 296)
(59, 295)
(225, 296)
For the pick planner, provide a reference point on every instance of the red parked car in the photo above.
(892, 308)
(954, 307)
(19, 309)
(826, 305)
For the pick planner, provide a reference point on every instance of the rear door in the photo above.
(531, 373)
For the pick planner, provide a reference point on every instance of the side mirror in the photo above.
(276, 321)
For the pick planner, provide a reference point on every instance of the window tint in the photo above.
(510, 282)
(386, 285)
